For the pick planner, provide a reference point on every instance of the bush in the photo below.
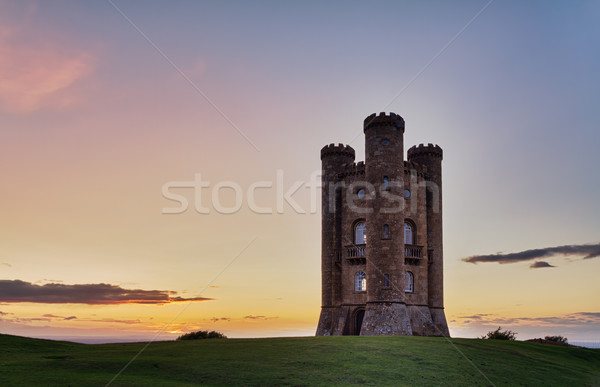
(556, 339)
(498, 334)
(200, 335)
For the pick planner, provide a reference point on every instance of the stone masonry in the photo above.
(382, 257)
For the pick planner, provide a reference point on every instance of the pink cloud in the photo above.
(38, 73)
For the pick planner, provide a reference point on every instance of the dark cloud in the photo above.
(59, 317)
(590, 314)
(540, 264)
(475, 316)
(12, 291)
(586, 251)
(48, 317)
(254, 317)
(571, 319)
(112, 320)
(23, 320)
(215, 319)
(258, 317)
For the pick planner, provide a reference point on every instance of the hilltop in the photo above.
(350, 360)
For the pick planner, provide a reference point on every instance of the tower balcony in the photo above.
(356, 254)
(356, 251)
(413, 254)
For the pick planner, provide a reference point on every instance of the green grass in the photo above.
(298, 361)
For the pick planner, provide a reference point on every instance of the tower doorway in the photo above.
(359, 316)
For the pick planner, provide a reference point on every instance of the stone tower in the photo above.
(382, 261)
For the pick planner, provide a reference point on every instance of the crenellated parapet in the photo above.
(383, 119)
(428, 150)
(354, 169)
(337, 150)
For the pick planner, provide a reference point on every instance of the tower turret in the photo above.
(334, 158)
(384, 173)
(430, 156)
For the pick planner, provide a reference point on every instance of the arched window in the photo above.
(409, 238)
(360, 281)
(386, 231)
(409, 278)
(386, 280)
(360, 233)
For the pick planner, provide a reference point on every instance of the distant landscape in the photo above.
(348, 360)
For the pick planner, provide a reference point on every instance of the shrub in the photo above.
(199, 335)
(556, 339)
(498, 334)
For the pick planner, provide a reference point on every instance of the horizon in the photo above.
(161, 161)
(593, 344)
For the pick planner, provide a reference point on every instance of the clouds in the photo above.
(566, 320)
(584, 251)
(259, 318)
(53, 318)
(249, 318)
(49, 315)
(38, 70)
(216, 319)
(576, 326)
(117, 321)
(540, 264)
(13, 291)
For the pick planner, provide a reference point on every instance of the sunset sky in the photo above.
(105, 105)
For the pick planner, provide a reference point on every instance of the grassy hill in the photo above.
(298, 361)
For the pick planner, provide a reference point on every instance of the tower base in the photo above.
(420, 320)
(386, 319)
(439, 321)
(383, 319)
(326, 319)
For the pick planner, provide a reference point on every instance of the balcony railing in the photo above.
(356, 254)
(413, 252)
(356, 251)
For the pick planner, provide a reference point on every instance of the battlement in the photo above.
(353, 169)
(337, 150)
(383, 119)
(428, 150)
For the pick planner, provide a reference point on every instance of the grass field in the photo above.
(298, 361)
